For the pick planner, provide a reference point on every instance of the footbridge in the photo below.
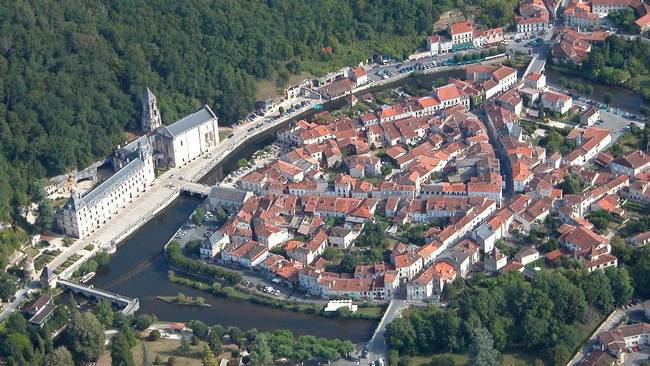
(127, 304)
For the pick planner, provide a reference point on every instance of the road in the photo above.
(376, 347)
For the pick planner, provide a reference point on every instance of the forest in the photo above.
(486, 316)
(73, 72)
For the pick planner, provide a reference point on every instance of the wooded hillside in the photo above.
(73, 71)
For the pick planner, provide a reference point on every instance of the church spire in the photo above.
(150, 114)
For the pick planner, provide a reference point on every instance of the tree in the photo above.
(621, 283)
(208, 358)
(481, 350)
(7, 286)
(104, 313)
(60, 356)
(84, 337)
(386, 169)
(199, 329)
(199, 216)
(598, 290)
(571, 184)
(330, 253)
(45, 216)
(261, 353)
(143, 321)
(623, 251)
(641, 273)
(348, 263)
(121, 351)
(214, 342)
(184, 348)
(154, 335)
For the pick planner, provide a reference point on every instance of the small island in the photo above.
(182, 299)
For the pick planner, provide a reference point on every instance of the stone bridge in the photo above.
(128, 305)
(195, 188)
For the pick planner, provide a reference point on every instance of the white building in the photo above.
(187, 138)
(214, 245)
(557, 102)
(462, 33)
(82, 215)
(439, 44)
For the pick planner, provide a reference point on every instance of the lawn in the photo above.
(374, 311)
(223, 134)
(629, 141)
(163, 347)
(509, 359)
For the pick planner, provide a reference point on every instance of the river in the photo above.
(626, 99)
(138, 268)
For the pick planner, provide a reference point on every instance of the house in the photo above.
(407, 265)
(572, 47)
(228, 198)
(488, 37)
(589, 141)
(439, 44)
(247, 255)
(639, 191)
(511, 100)
(535, 81)
(640, 240)
(430, 282)
(593, 249)
(533, 17)
(338, 88)
(557, 102)
(359, 75)
(578, 14)
(462, 34)
(342, 237)
(494, 229)
(41, 310)
(495, 260)
(630, 164)
(591, 116)
(619, 341)
(527, 255)
(213, 245)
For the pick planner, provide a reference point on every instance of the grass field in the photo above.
(509, 359)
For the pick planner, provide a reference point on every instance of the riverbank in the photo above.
(625, 97)
(240, 292)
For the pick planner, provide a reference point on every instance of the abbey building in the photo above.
(134, 164)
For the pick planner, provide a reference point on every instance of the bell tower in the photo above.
(150, 114)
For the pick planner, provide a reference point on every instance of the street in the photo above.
(376, 347)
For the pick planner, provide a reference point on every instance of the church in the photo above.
(134, 164)
(182, 141)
